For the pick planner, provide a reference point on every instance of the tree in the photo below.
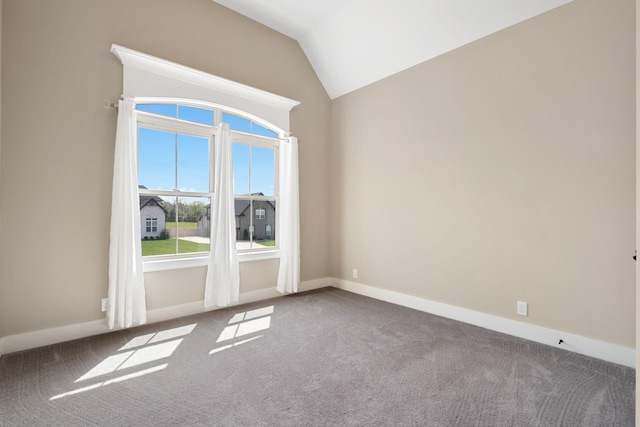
(186, 211)
(171, 210)
(193, 211)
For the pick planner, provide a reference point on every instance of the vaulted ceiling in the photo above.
(352, 43)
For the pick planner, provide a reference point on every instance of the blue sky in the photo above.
(162, 153)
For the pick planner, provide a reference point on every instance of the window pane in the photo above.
(155, 226)
(253, 170)
(169, 110)
(262, 171)
(243, 223)
(183, 225)
(195, 114)
(255, 224)
(259, 130)
(193, 163)
(236, 122)
(245, 125)
(240, 169)
(156, 159)
(193, 225)
(264, 225)
(184, 112)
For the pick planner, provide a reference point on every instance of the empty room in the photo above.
(344, 212)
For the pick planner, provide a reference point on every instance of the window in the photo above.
(176, 156)
(152, 225)
(175, 170)
(254, 175)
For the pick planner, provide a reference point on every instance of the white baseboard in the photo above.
(576, 343)
(196, 307)
(310, 285)
(28, 340)
(599, 349)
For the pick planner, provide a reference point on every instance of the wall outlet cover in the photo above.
(522, 308)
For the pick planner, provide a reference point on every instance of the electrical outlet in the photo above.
(104, 303)
(355, 273)
(522, 308)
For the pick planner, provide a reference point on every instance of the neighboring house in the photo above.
(152, 216)
(203, 223)
(264, 219)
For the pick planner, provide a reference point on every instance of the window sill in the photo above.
(201, 261)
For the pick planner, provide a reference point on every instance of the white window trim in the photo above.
(150, 265)
(149, 76)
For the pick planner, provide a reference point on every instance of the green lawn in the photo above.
(168, 247)
(164, 247)
(171, 224)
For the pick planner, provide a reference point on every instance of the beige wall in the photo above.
(498, 172)
(57, 144)
(501, 171)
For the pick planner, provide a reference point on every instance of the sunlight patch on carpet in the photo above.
(111, 381)
(245, 323)
(227, 347)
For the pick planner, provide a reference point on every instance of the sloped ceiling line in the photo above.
(351, 44)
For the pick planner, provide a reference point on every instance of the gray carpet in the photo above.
(324, 358)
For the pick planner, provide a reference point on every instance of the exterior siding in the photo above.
(259, 225)
(151, 211)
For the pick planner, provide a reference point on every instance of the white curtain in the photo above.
(126, 306)
(289, 230)
(222, 285)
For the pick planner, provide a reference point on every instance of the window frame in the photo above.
(179, 125)
(255, 140)
(163, 123)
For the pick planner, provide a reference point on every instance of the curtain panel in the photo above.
(126, 295)
(222, 286)
(289, 272)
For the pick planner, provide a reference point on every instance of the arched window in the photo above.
(175, 165)
(178, 114)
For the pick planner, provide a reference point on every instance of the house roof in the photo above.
(241, 205)
(150, 200)
(353, 43)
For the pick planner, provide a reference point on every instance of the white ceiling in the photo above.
(352, 43)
